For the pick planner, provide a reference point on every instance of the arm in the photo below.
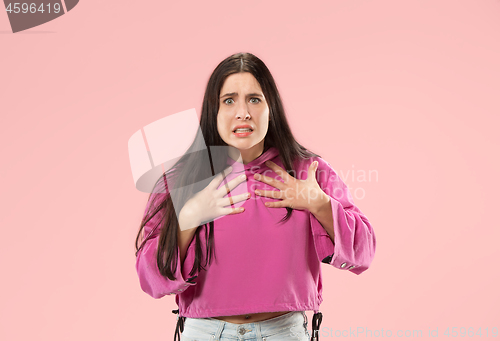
(187, 229)
(151, 281)
(323, 213)
(343, 236)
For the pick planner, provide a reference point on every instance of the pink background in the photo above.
(405, 89)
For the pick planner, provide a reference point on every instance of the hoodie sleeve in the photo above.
(151, 281)
(354, 242)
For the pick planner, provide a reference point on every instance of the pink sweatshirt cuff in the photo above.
(354, 246)
(152, 282)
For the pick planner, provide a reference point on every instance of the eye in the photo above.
(227, 99)
(258, 99)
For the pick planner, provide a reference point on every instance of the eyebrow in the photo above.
(236, 94)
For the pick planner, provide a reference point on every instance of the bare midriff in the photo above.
(248, 318)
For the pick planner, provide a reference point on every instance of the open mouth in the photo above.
(242, 130)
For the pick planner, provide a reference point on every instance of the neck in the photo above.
(248, 155)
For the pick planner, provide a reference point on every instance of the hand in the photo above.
(296, 194)
(209, 203)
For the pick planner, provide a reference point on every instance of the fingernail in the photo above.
(243, 176)
(257, 191)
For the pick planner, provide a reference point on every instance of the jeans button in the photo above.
(241, 330)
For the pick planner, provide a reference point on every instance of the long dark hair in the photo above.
(189, 169)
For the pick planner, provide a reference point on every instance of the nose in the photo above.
(242, 111)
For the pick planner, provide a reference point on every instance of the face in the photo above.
(242, 103)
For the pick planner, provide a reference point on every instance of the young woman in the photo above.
(266, 209)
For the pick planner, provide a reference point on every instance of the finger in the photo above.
(276, 204)
(312, 170)
(230, 185)
(270, 194)
(221, 176)
(231, 200)
(278, 170)
(228, 211)
(270, 181)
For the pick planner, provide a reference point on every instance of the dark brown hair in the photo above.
(279, 135)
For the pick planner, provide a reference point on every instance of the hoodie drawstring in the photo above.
(316, 322)
(179, 328)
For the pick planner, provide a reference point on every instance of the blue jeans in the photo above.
(290, 326)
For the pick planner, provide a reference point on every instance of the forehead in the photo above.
(242, 80)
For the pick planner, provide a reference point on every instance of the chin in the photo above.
(244, 146)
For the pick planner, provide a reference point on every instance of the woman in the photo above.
(272, 227)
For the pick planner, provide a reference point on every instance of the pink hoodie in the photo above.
(262, 265)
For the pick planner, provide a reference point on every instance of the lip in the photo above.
(242, 134)
(242, 126)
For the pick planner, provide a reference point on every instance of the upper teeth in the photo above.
(243, 129)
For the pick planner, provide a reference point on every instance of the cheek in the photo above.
(265, 123)
(265, 128)
(220, 124)
(266, 115)
(219, 121)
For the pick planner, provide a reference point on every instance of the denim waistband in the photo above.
(254, 329)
